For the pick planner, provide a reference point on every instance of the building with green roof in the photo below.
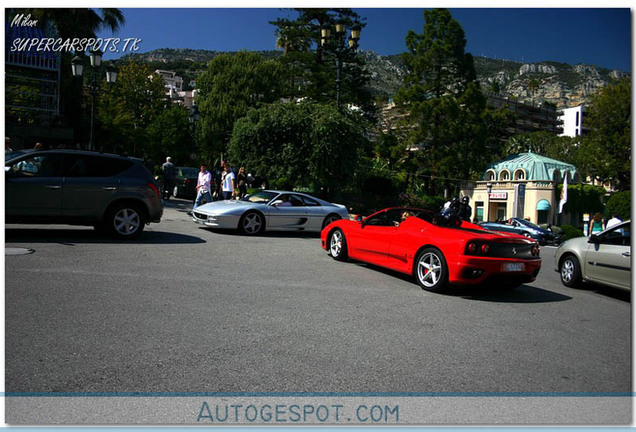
(523, 185)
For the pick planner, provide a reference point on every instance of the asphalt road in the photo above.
(188, 309)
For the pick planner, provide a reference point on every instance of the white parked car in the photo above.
(270, 210)
(604, 258)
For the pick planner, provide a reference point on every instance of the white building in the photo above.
(172, 80)
(174, 88)
(572, 119)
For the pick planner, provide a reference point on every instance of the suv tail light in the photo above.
(155, 189)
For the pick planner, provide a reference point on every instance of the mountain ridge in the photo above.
(560, 84)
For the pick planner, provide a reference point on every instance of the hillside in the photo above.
(561, 84)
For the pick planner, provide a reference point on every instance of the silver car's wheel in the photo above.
(431, 270)
(338, 245)
(125, 221)
(252, 223)
(570, 271)
(329, 219)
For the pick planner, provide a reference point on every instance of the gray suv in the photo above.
(113, 193)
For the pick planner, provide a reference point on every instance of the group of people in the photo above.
(457, 209)
(596, 224)
(230, 185)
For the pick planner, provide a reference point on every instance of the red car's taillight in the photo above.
(477, 248)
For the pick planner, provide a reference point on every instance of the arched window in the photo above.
(490, 175)
(504, 175)
(520, 174)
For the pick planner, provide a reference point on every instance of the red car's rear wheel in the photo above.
(430, 270)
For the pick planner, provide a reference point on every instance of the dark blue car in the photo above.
(525, 228)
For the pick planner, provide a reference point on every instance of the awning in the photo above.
(543, 205)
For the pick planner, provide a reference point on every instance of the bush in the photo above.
(282, 184)
(620, 204)
(571, 232)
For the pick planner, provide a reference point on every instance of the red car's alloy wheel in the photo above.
(431, 270)
(338, 245)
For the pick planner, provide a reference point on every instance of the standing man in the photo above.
(204, 186)
(169, 174)
(464, 209)
(227, 182)
(615, 220)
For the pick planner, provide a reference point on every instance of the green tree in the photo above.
(436, 62)
(548, 144)
(583, 198)
(313, 66)
(233, 84)
(455, 132)
(605, 153)
(117, 126)
(139, 95)
(308, 144)
(169, 135)
(620, 204)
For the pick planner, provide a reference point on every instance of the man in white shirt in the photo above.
(227, 182)
(613, 221)
(204, 186)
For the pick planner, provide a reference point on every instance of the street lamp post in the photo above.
(77, 67)
(341, 48)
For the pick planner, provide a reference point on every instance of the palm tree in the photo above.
(80, 23)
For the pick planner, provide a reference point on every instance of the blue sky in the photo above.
(595, 36)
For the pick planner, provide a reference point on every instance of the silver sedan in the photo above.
(604, 258)
(271, 210)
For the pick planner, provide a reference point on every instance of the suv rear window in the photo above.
(95, 166)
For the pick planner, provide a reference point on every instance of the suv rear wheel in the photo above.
(125, 221)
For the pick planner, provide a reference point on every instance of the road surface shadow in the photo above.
(520, 294)
(266, 234)
(81, 235)
(614, 293)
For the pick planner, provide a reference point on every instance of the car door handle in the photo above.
(109, 188)
(626, 254)
(53, 187)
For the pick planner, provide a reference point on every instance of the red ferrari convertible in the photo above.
(436, 251)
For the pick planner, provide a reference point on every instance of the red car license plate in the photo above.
(513, 267)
